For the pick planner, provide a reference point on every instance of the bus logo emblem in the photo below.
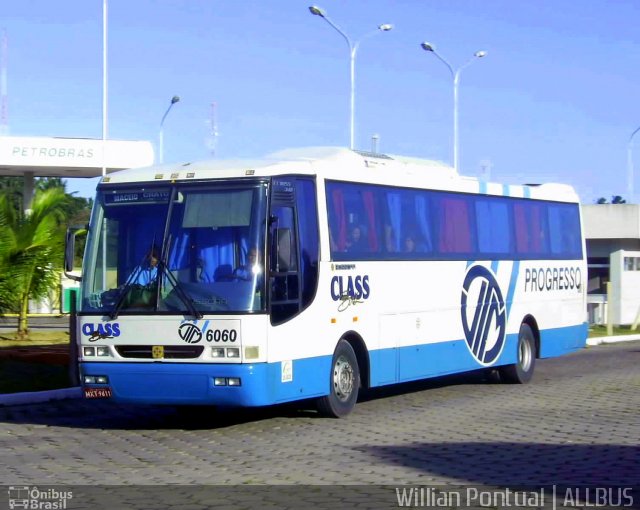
(190, 333)
(157, 351)
(484, 315)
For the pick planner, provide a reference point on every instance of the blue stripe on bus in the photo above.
(515, 270)
(192, 383)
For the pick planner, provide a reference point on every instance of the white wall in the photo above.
(625, 280)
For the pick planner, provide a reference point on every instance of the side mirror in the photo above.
(70, 250)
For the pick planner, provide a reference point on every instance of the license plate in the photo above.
(97, 393)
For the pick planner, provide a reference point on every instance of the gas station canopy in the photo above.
(70, 157)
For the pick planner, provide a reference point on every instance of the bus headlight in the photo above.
(233, 352)
(219, 381)
(103, 350)
(217, 352)
(89, 351)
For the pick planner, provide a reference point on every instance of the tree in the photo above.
(616, 199)
(31, 250)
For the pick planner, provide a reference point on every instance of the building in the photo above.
(612, 233)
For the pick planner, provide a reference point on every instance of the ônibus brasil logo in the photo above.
(484, 315)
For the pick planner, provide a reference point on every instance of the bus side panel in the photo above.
(436, 359)
(306, 378)
(384, 366)
(558, 341)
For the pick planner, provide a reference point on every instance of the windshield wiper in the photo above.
(128, 285)
(184, 297)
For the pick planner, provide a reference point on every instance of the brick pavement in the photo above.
(577, 423)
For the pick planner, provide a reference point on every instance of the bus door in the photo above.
(284, 277)
(293, 246)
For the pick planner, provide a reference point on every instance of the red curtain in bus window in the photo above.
(529, 229)
(522, 230)
(369, 207)
(455, 234)
(536, 229)
(341, 220)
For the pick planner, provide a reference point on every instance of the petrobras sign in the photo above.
(78, 153)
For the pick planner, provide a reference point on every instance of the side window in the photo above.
(454, 225)
(564, 231)
(354, 225)
(308, 233)
(493, 226)
(531, 229)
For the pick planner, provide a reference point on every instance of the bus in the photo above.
(314, 273)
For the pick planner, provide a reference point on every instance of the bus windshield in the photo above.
(182, 249)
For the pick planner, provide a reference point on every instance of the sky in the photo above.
(555, 99)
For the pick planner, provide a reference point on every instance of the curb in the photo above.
(612, 339)
(38, 397)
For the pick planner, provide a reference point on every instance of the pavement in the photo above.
(37, 397)
(575, 425)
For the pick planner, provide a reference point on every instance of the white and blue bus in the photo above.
(316, 272)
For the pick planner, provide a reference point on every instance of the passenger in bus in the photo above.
(413, 242)
(409, 244)
(356, 242)
(147, 272)
(251, 268)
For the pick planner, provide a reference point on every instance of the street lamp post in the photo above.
(174, 100)
(630, 176)
(353, 50)
(455, 75)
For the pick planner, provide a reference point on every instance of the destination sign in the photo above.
(155, 196)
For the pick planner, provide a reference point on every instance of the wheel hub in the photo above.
(343, 379)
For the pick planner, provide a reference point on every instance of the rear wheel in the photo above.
(344, 383)
(522, 371)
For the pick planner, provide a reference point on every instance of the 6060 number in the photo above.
(221, 335)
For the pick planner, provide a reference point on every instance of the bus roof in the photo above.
(339, 163)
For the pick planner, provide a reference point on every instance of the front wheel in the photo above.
(344, 383)
(522, 370)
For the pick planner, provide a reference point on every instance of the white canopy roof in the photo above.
(70, 157)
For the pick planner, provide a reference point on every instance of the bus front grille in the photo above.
(170, 351)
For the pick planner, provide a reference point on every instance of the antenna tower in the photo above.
(212, 141)
(4, 110)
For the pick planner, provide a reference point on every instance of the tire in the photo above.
(344, 382)
(521, 372)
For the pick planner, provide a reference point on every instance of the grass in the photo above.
(8, 338)
(599, 331)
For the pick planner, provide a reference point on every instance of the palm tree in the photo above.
(31, 250)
